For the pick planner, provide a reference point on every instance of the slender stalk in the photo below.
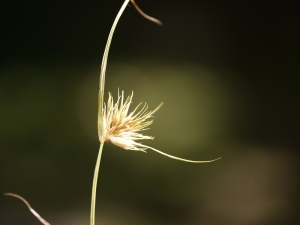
(94, 189)
(144, 14)
(103, 71)
(101, 130)
(100, 111)
(29, 207)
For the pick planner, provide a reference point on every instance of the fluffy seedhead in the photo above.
(122, 127)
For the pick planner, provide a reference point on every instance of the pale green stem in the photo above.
(103, 68)
(94, 189)
(100, 110)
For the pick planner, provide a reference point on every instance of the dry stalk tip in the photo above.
(144, 14)
(29, 207)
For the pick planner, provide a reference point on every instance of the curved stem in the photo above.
(144, 14)
(94, 189)
(103, 68)
(175, 157)
(100, 110)
(29, 207)
(181, 159)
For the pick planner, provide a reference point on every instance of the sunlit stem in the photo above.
(100, 110)
(103, 68)
(94, 189)
(181, 159)
(101, 130)
(175, 157)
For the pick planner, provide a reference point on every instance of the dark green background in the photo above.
(228, 73)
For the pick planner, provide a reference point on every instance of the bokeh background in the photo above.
(228, 74)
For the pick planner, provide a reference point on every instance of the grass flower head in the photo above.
(122, 127)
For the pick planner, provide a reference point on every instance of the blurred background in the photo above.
(228, 74)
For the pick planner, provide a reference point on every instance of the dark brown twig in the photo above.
(144, 14)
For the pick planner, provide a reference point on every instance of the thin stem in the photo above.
(144, 14)
(94, 189)
(103, 68)
(181, 159)
(29, 207)
(100, 110)
(174, 157)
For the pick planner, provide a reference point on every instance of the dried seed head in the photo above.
(121, 127)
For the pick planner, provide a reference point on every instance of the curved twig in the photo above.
(144, 14)
(29, 207)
